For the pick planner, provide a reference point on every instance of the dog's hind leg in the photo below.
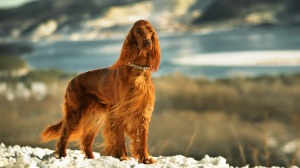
(62, 142)
(70, 124)
(92, 120)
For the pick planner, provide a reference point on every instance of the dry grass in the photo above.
(247, 98)
(192, 117)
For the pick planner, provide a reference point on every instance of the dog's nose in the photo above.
(147, 42)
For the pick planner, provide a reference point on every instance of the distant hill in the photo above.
(88, 19)
(94, 19)
(52, 16)
(252, 12)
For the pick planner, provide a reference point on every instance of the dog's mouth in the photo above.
(147, 46)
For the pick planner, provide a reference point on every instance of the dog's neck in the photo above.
(141, 62)
(139, 67)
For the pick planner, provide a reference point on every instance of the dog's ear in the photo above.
(129, 49)
(155, 54)
(130, 39)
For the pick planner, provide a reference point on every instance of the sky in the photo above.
(12, 3)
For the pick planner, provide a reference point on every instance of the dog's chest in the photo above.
(142, 84)
(138, 98)
(140, 81)
(140, 87)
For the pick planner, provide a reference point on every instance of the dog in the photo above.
(118, 99)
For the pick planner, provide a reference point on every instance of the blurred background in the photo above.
(228, 84)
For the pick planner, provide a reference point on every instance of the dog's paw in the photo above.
(89, 156)
(149, 160)
(59, 154)
(124, 158)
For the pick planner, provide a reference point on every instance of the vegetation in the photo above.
(245, 120)
(9, 63)
(47, 76)
(248, 98)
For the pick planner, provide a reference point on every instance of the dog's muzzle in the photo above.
(147, 42)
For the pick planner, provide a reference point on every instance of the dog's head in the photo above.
(142, 34)
(141, 38)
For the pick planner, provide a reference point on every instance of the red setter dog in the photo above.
(119, 98)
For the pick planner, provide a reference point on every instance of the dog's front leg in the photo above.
(114, 144)
(121, 147)
(144, 156)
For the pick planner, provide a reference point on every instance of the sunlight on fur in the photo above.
(119, 99)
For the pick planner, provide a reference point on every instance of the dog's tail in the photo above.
(54, 131)
(51, 132)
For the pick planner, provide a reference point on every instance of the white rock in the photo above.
(4, 162)
(39, 152)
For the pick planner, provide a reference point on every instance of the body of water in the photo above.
(224, 54)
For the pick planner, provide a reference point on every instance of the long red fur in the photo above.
(119, 99)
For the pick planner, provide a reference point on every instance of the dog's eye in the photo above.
(138, 31)
(150, 30)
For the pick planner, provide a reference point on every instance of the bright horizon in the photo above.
(243, 58)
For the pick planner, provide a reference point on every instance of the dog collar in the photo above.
(133, 65)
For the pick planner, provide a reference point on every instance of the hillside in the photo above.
(87, 19)
(251, 12)
(93, 19)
